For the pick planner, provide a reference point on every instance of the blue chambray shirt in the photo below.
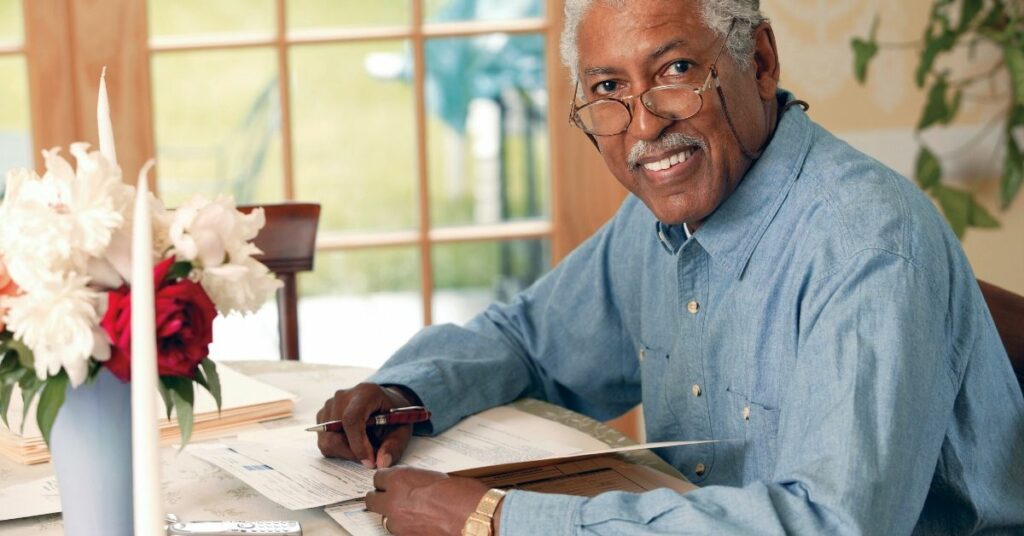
(824, 319)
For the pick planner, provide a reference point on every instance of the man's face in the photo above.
(682, 170)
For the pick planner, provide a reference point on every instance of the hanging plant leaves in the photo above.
(928, 169)
(937, 110)
(1013, 173)
(864, 51)
(1013, 55)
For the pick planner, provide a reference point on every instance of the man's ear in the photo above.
(766, 61)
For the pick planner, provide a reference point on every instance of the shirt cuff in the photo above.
(530, 513)
(429, 386)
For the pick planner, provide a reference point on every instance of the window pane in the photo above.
(358, 307)
(469, 276)
(488, 136)
(354, 139)
(217, 122)
(198, 17)
(460, 10)
(15, 136)
(11, 22)
(347, 13)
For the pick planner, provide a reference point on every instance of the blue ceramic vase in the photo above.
(91, 445)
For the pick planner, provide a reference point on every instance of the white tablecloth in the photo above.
(195, 490)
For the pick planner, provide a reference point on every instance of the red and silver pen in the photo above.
(406, 415)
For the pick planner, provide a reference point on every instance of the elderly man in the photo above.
(765, 283)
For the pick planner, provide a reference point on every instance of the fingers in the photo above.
(353, 419)
(393, 444)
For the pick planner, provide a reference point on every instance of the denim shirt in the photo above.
(823, 323)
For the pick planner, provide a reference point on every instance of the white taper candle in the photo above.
(106, 131)
(148, 507)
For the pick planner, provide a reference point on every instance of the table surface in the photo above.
(196, 490)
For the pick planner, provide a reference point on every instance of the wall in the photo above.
(878, 118)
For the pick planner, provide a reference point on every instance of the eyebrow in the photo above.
(658, 52)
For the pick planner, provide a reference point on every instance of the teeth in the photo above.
(666, 163)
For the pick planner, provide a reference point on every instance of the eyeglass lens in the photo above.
(610, 116)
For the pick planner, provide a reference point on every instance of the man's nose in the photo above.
(645, 125)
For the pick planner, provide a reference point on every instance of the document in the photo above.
(286, 466)
(34, 498)
(584, 475)
(356, 519)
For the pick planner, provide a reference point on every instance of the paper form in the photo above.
(356, 519)
(286, 466)
(29, 499)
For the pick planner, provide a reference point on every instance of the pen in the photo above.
(406, 415)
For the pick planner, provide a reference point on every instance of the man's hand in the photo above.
(381, 446)
(424, 502)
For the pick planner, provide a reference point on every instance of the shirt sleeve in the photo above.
(860, 429)
(535, 346)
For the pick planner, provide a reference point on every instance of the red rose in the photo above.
(184, 326)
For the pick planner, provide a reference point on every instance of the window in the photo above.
(421, 126)
(15, 133)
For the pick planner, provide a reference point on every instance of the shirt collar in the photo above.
(732, 232)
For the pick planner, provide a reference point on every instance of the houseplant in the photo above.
(972, 24)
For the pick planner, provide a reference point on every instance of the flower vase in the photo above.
(91, 447)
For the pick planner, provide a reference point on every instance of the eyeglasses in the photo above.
(610, 116)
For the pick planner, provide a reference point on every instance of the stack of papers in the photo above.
(246, 401)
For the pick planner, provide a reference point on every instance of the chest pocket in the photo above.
(758, 424)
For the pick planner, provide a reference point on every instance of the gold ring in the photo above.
(384, 523)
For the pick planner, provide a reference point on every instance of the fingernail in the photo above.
(385, 460)
(368, 464)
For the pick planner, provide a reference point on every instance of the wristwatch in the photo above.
(481, 522)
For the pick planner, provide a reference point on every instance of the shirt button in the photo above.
(746, 413)
(642, 354)
(695, 390)
(693, 307)
(699, 469)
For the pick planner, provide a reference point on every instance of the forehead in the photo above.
(614, 36)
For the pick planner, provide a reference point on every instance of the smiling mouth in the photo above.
(669, 161)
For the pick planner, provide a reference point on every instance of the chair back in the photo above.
(1007, 311)
(288, 242)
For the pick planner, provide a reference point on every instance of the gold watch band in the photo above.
(481, 522)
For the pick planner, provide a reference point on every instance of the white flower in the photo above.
(59, 321)
(56, 224)
(209, 232)
(242, 287)
(216, 238)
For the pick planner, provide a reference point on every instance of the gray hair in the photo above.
(716, 14)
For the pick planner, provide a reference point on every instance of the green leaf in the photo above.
(864, 51)
(1013, 55)
(5, 401)
(962, 210)
(936, 109)
(1013, 173)
(1016, 117)
(968, 11)
(50, 402)
(165, 394)
(179, 270)
(212, 379)
(25, 355)
(29, 385)
(933, 46)
(183, 397)
(928, 169)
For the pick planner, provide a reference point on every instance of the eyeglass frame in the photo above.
(698, 90)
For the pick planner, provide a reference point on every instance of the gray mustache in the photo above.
(668, 142)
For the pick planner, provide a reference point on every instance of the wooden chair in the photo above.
(1008, 312)
(288, 242)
